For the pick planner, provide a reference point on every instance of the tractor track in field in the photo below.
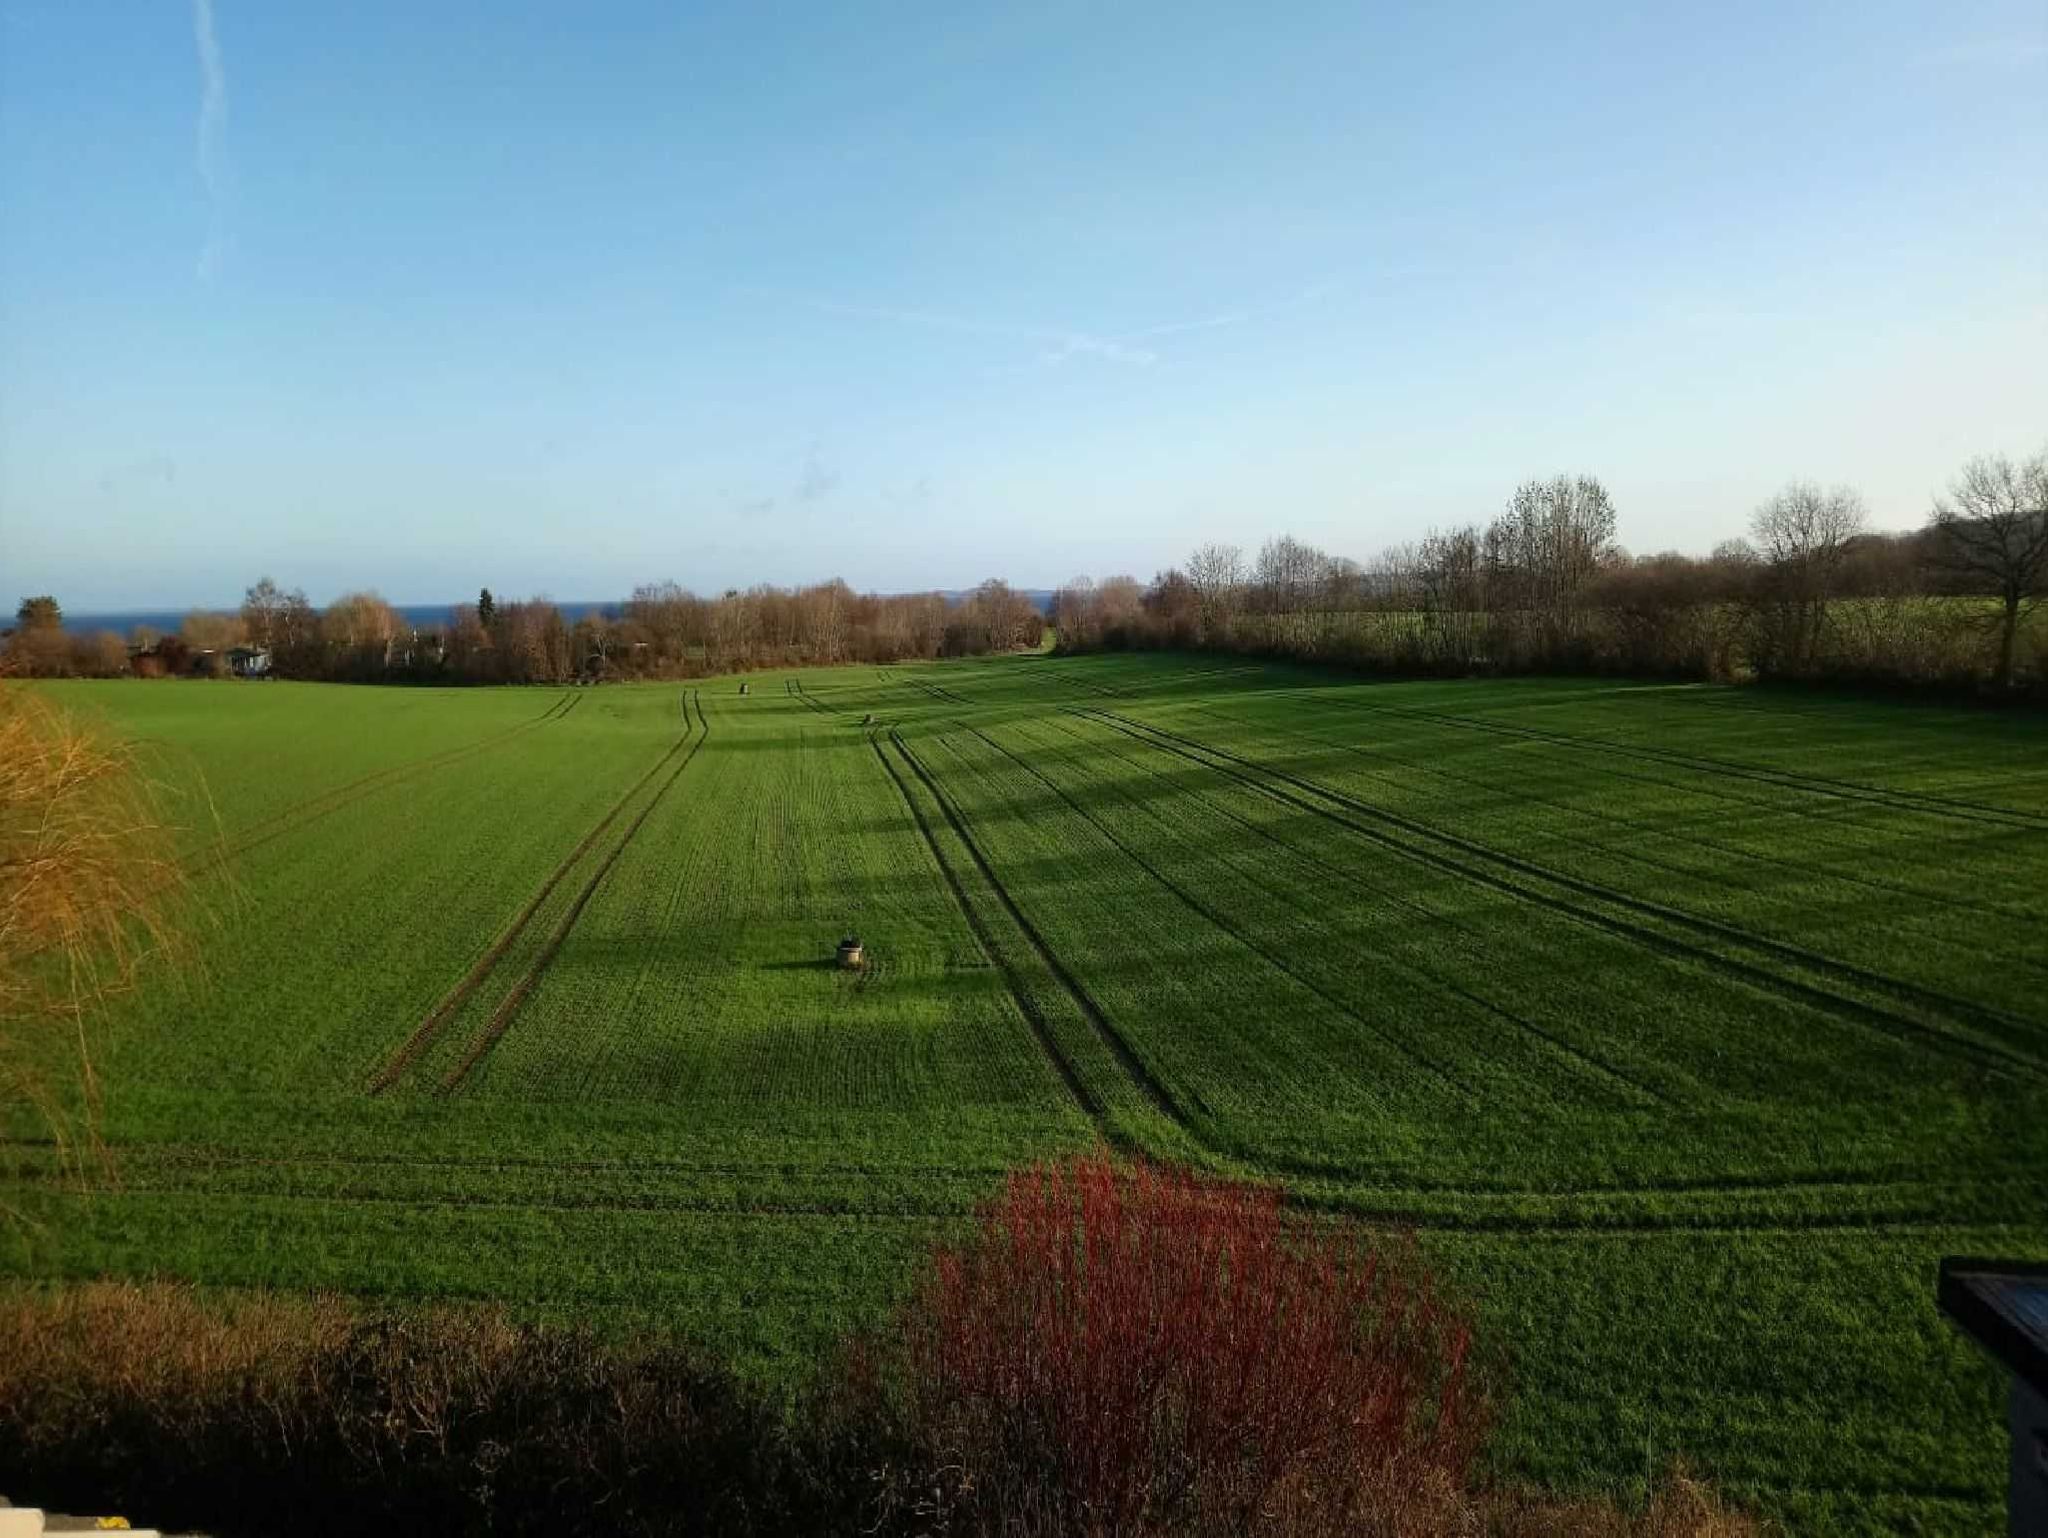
(451, 1002)
(796, 692)
(938, 692)
(1390, 765)
(199, 1159)
(1989, 1056)
(1236, 932)
(1563, 1047)
(1816, 784)
(501, 1018)
(1162, 1098)
(292, 818)
(199, 1156)
(1592, 1225)
(1962, 1009)
(1026, 1006)
(651, 1203)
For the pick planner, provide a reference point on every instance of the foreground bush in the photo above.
(270, 1415)
(1114, 1350)
(1123, 1348)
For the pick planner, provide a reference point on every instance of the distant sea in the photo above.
(421, 616)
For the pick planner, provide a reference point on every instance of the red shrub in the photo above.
(1122, 1347)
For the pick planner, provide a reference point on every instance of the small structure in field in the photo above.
(868, 719)
(2003, 1306)
(850, 953)
(743, 688)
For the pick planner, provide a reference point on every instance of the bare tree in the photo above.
(205, 631)
(1546, 549)
(1073, 613)
(1447, 577)
(1287, 583)
(263, 611)
(1118, 602)
(1801, 535)
(357, 630)
(1991, 532)
(1217, 573)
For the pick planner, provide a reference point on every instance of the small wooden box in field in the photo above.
(851, 955)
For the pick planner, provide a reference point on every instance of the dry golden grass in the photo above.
(91, 892)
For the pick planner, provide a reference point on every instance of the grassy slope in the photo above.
(1689, 1025)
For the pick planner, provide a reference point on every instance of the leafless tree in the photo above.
(1073, 613)
(1546, 549)
(1287, 582)
(1991, 532)
(1217, 573)
(204, 630)
(264, 607)
(1802, 535)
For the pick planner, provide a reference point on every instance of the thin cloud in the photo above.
(1055, 345)
(818, 480)
(213, 118)
(1079, 344)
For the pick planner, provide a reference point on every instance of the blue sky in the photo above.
(560, 298)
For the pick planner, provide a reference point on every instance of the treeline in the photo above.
(662, 631)
(1812, 594)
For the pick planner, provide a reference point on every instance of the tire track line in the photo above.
(1606, 819)
(1991, 1056)
(1564, 1047)
(451, 1002)
(796, 692)
(943, 695)
(1593, 1225)
(501, 1019)
(1258, 948)
(291, 819)
(1162, 1098)
(1816, 784)
(200, 1156)
(1026, 1006)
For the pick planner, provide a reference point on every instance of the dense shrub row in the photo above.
(1546, 587)
(662, 631)
(1114, 1349)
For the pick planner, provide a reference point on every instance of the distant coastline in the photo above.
(421, 616)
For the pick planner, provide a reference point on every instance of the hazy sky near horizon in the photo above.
(562, 298)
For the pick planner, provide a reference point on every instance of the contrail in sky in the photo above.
(213, 116)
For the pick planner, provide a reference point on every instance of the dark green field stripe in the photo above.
(1026, 1005)
(1592, 1061)
(1608, 819)
(1792, 779)
(1222, 923)
(1992, 1056)
(1650, 1225)
(1162, 1098)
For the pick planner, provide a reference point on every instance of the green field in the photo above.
(1687, 1025)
